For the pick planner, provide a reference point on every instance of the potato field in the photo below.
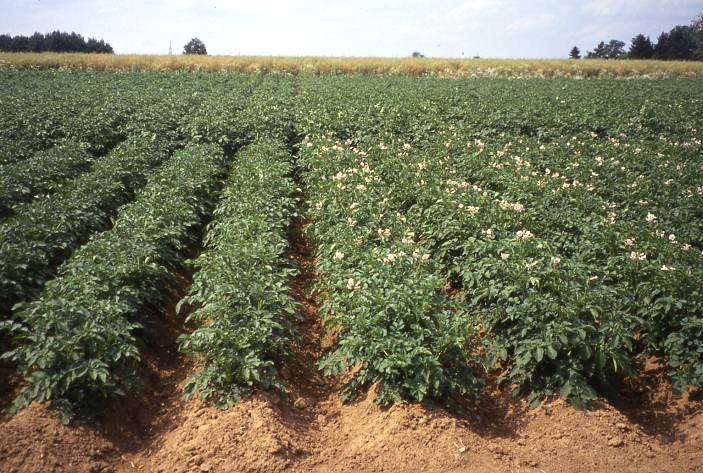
(472, 252)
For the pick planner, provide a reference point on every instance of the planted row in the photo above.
(395, 323)
(43, 173)
(77, 344)
(240, 291)
(569, 289)
(47, 229)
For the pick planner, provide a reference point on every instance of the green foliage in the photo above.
(615, 49)
(44, 173)
(240, 290)
(679, 44)
(394, 323)
(641, 48)
(195, 46)
(565, 309)
(77, 342)
(56, 224)
(549, 231)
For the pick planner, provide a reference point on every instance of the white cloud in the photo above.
(472, 6)
(532, 21)
(616, 7)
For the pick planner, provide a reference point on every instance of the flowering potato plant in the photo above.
(394, 324)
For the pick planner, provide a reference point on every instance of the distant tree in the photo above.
(697, 28)
(5, 42)
(56, 41)
(37, 43)
(418, 54)
(615, 49)
(661, 48)
(641, 48)
(195, 46)
(575, 53)
(682, 43)
(678, 44)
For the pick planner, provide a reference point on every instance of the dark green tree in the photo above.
(679, 44)
(195, 46)
(56, 41)
(575, 53)
(641, 47)
(697, 27)
(615, 49)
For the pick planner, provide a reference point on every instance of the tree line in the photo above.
(681, 43)
(56, 42)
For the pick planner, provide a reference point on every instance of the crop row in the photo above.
(43, 173)
(240, 291)
(384, 301)
(93, 109)
(49, 227)
(565, 292)
(77, 343)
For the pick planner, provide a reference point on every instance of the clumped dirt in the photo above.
(311, 430)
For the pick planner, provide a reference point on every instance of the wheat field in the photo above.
(453, 68)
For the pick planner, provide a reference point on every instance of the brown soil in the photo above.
(311, 430)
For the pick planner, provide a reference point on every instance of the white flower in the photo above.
(338, 255)
(351, 223)
(425, 258)
(504, 256)
(555, 261)
(686, 247)
(667, 268)
(384, 232)
(353, 285)
(629, 241)
(360, 187)
(407, 146)
(672, 238)
(636, 256)
(650, 218)
(488, 234)
(390, 258)
(524, 235)
(593, 279)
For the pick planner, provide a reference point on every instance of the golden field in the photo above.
(546, 68)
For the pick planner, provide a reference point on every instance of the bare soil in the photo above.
(311, 430)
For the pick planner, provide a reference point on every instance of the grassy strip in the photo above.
(77, 343)
(369, 66)
(383, 299)
(43, 173)
(244, 303)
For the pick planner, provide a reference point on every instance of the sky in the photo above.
(436, 28)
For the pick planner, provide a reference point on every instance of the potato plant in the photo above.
(240, 292)
(77, 343)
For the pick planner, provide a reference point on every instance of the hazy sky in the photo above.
(448, 28)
